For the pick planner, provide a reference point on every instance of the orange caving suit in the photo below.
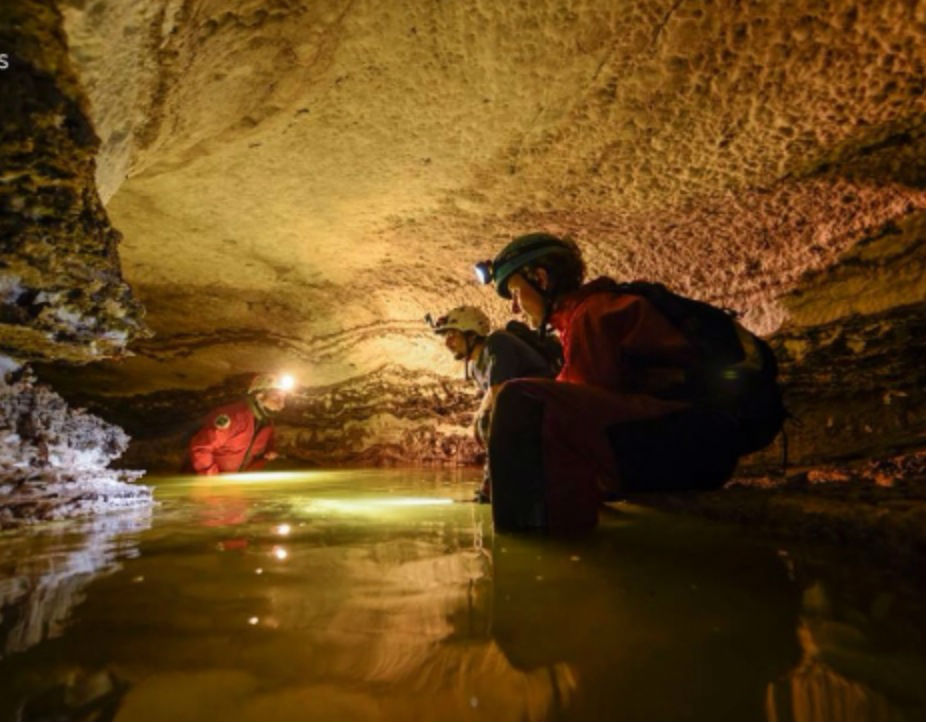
(233, 438)
(556, 447)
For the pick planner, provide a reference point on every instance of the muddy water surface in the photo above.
(384, 595)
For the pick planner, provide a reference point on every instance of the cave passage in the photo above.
(386, 595)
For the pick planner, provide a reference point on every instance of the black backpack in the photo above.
(736, 371)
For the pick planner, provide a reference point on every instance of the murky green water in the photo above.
(382, 595)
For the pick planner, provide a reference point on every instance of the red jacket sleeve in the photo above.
(605, 329)
(203, 446)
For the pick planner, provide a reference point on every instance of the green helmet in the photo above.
(524, 250)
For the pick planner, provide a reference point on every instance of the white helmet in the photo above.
(268, 382)
(463, 319)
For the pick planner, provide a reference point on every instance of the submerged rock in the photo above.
(54, 458)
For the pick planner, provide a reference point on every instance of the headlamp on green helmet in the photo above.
(484, 272)
(523, 251)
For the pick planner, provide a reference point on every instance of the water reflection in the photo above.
(846, 672)
(348, 605)
(653, 628)
(45, 572)
(650, 627)
(219, 504)
(369, 596)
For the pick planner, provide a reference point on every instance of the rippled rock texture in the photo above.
(387, 417)
(54, 458)
(297, 184)
(852, 354)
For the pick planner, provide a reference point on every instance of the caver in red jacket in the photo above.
(556, 447)
(235, 437)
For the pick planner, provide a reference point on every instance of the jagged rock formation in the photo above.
(62, 296)
(53, 459)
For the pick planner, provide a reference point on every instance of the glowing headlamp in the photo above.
(438, 325)
(287, 382)
(484, 273)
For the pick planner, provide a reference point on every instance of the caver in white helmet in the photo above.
(463, 319)
(270, 382)
(471, 323)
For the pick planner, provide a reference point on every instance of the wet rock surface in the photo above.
(875, 507)
(54, 459)
(854, 387)
(62, 295)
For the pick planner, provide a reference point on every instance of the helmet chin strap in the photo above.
(467, 374)
(547, 296)
(257, 406)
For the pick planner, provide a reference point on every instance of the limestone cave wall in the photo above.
(851, 355)
(297, 185)
(389, 416)
(62, 294)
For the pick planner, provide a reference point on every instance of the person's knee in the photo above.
(514, 409)
(516, 459)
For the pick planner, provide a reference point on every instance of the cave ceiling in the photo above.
(298, 183)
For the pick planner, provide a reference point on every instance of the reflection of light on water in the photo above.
(250, 477)
(283, 529)
(361, 506)
(253, 620)
(280, 553)
(47, 570)
(413, 501)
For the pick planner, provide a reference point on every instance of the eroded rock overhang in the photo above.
(298, 185)
(62, 295)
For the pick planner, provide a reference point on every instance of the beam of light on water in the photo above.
(262, 477)
(360, 506)
(412, 501)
